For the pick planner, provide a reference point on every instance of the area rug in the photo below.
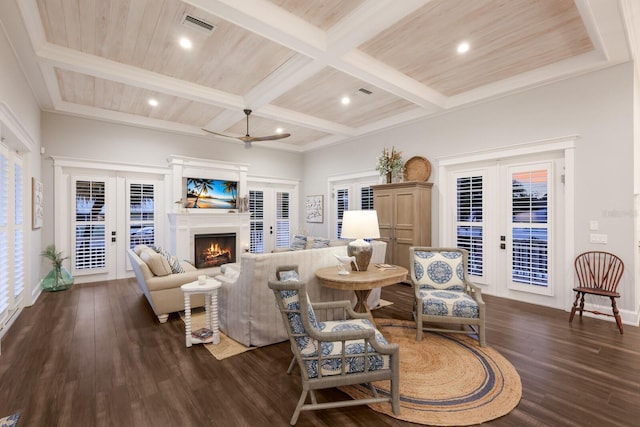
(446, 379)
(10, 421)
(227, 347)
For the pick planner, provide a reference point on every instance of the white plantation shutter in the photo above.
(256, 225)
(470, 220)
(89, 225)
(342, 204)
(4, 238)
(529, 227)
(283, 223)
(11, 233)
(142, 226)
(366, 198)
(18, 236)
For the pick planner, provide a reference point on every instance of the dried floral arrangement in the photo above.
(389, 161)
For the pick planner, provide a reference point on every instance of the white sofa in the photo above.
(247, 308)
(162, 288)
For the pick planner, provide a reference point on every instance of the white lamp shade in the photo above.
(360, 225)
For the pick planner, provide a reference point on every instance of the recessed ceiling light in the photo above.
(153, 102)
(279, 130)
(185, 43)
(345, 100)
(463, 47)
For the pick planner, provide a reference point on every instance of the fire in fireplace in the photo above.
(213, 250)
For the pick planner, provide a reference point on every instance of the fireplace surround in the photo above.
(185, 226)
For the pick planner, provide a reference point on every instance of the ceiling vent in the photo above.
(365, 91)
(197, 24)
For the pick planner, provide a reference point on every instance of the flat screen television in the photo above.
(210, 193)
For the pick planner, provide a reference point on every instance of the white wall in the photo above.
(597, 106)
(89, 139)
(20, 126)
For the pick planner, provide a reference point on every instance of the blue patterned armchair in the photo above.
(444, 294)
(334, 353)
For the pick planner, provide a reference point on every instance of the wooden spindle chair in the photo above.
(599, 273)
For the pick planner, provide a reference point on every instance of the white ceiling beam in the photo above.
(92, 65)
(269, 21)
(293, 117)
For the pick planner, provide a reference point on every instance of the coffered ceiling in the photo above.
(291, 61)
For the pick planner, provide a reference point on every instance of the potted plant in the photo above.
(389, 163)
(59, 278)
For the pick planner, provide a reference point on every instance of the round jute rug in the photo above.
(446, 379)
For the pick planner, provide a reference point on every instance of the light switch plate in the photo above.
(598, 238)
(593, 225)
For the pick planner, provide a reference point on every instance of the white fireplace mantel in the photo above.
(183, 226)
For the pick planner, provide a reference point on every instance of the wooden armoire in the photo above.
(404, 217)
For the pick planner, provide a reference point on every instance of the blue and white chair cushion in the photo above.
(309, 346)
(439, 270)
(437, 302)
(332, 351)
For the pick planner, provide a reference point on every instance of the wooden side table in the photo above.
(210, 291)
(361, 282)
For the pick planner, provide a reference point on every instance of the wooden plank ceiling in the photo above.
(292, 61)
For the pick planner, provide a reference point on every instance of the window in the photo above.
(141, 214)
(349, 194)
(90, 225)
(12, 273)
(283, 225)
(470, 221)
(529, 209)
(256, 225)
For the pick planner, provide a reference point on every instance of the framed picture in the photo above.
(37, 203)
(314, 208)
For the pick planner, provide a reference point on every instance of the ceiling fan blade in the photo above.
(264, 138)
(248, 139)
(222, 134)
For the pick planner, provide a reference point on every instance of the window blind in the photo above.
(18, 239)
(470, 221)
(4, 238)
(90, 238)
(141, 214)
(283, 226)
(342, 205)
(530, 227)
(256, 225)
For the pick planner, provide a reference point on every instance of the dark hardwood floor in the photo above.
(96, 356)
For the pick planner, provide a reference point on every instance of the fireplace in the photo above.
(214, 249)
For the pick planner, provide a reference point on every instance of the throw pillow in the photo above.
(158, 264)
(320, 242)
(298, 242)
(174, 264)
(137, 249)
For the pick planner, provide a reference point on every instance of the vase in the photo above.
(389, 177)
(58, 279)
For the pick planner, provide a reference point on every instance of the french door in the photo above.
(111, 214)
(272, 210)
(509, 215)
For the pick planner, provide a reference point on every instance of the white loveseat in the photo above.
(161, 286)
(247, 307)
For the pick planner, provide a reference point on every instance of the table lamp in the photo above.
(360, 225)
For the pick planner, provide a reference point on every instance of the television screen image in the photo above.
(211, 193)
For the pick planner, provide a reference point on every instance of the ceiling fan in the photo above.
(248, 139)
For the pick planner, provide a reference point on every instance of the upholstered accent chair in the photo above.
(334, 353)
(444, 295)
